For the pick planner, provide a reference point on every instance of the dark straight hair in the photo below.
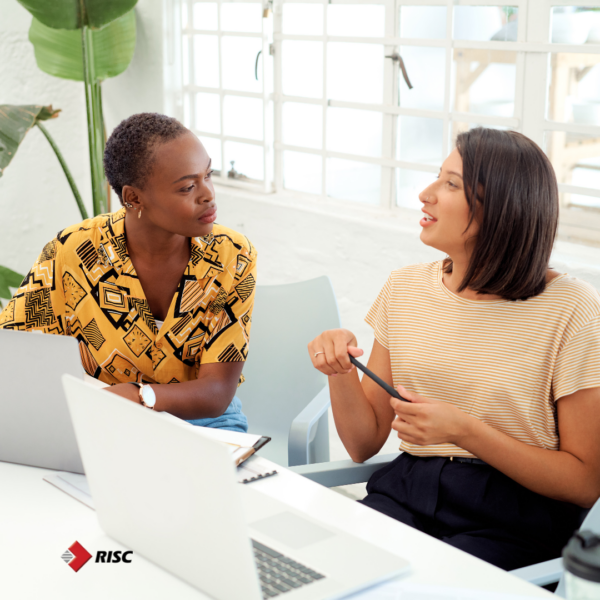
(512, 192)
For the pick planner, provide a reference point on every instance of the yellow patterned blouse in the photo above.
(83, 284)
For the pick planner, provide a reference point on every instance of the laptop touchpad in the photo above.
(292, 530)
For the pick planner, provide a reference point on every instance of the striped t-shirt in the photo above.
(504, 362)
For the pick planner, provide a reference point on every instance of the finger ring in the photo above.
(317, 353)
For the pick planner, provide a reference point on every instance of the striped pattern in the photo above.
(191, 296)
(93, 334)
(88, 254)
(231, 354)
(503, 362)
(245, 288)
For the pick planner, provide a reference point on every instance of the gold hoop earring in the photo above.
(140, 213)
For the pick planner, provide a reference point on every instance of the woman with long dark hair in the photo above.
(499, 356)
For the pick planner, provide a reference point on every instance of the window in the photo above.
(361, 100)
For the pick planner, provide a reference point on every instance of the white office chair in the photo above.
(284, 397)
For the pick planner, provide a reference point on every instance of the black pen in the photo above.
(388, 388)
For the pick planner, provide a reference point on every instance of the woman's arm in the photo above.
(361, 410)
(571, 474)
(205, 397)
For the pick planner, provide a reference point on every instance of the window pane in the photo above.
(205, 15)
(358, 20)
(409, 184)
(187, 110)
(184, 15)
(575, 25)
(351, 180)
(185, 59)
(302, 19)
(302, 125)
(426, 68)
(574, 94)
(302, 68)
(208, 113)
(302, 172)
(420, 140)
(355, 72)
(483, 23)
(213, 147)
(239, 58)
(206, 60)
(241, 16)
(243, 117)
(484, 82)
(246, 159)
(354, 131)
(428, 22)
(576, 161)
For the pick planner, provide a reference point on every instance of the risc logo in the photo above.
(77, 556)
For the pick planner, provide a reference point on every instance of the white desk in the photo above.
(39, 522)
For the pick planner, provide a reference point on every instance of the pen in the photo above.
(388, 388)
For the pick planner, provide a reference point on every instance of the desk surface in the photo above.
(39, 522)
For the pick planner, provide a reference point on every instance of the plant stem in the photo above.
(91, 105)
(65, 169)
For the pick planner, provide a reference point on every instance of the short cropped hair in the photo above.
(510, 182)
(128, 156)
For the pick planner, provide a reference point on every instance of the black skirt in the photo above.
(475, 508)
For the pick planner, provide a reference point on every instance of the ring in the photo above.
(317, 353)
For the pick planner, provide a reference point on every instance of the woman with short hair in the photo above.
(499, 358)
(158, 295)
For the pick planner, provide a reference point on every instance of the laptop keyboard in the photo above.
(278, 573)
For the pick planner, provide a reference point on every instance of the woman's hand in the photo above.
(423, 421)
(329, 351)
(125, 390)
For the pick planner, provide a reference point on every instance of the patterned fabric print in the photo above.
(84, 285)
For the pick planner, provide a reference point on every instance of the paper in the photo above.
(73, 484)
(400, 589)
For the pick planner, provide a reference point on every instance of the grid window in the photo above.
(362, 100)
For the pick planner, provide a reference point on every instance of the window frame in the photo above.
(533, 50)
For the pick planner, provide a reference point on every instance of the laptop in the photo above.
(172, 496)
(35, 426)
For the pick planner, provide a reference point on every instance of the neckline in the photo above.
(458, 298)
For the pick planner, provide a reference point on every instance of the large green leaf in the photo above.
(11, 278)
(15, 122)
(58, 51)
(74, 14)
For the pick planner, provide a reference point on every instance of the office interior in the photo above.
(324, 121)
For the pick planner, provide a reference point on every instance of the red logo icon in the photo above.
(76, 556)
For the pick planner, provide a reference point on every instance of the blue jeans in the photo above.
(233, 418)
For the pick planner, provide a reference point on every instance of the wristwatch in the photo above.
(146, 395)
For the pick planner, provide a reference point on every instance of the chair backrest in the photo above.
(280, 378)
(592, 523)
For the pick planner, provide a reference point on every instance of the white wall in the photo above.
(35, 198)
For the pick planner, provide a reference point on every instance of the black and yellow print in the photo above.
(84, 285)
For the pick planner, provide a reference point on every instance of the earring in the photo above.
(128, 205)
(140, 213)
